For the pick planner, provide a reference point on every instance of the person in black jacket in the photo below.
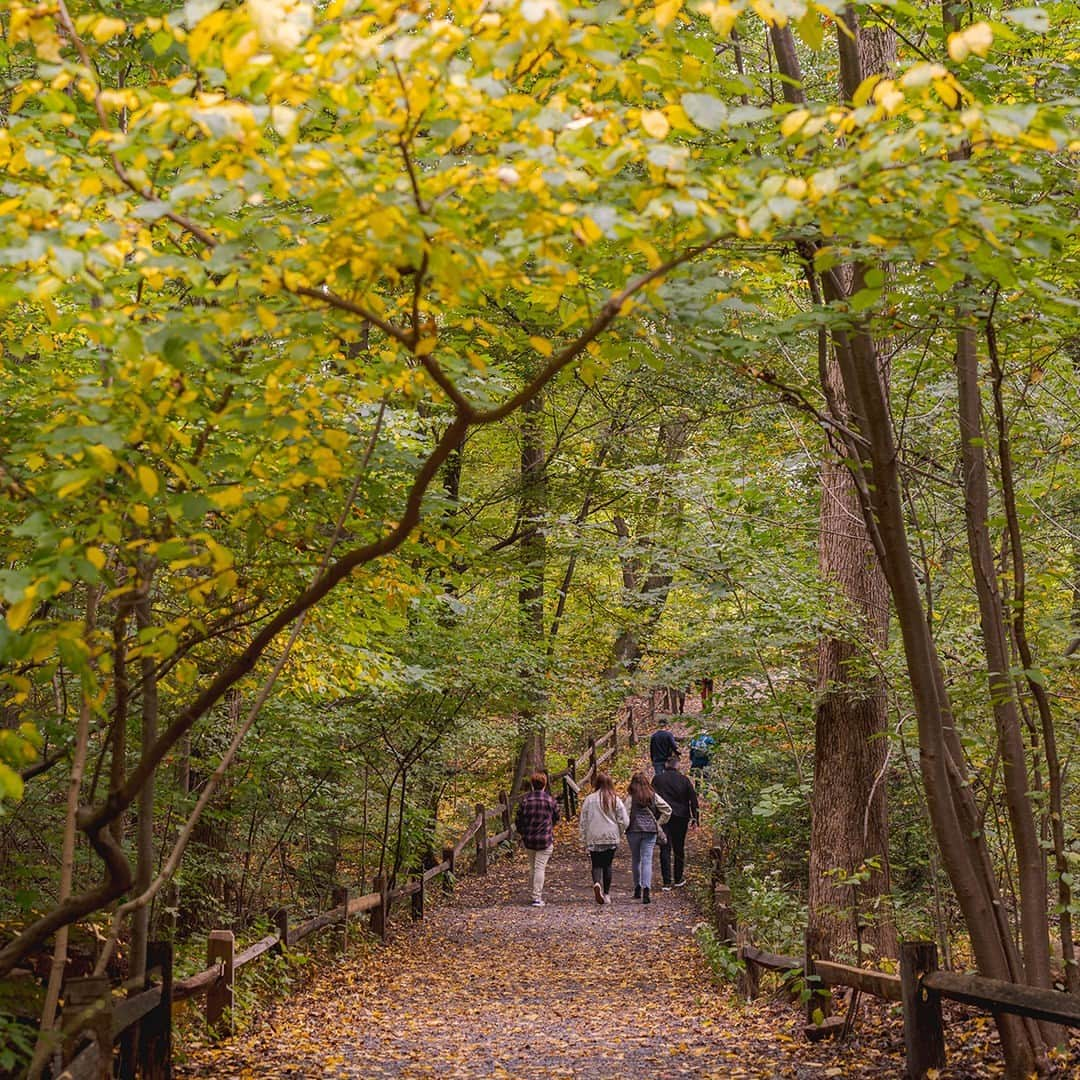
(679, 792)
(662, 745)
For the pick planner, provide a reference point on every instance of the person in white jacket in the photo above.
(647, 812)
(603, 821)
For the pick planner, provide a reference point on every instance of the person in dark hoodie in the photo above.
(662, 745)
(679, 793)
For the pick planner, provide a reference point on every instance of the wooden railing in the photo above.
(146, 1018)
(920, 987)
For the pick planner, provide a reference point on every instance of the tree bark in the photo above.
(849, 818)
(948, 791)
(849, 809)
(533, 551)
(1031, 863)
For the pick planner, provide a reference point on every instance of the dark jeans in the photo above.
(601, 867)
(676, 828)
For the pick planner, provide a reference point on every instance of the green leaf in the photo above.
(705, 111)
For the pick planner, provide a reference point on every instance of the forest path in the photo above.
(488, 986)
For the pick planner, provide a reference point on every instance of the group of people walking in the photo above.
(657, 812)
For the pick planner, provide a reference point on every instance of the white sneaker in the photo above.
(538, 903)
(680, 884)
(607, 898)
(598, 891)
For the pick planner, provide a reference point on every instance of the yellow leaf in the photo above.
(228, 498)
(975, 39)
(666, 12)
(793, 121)
(947, 91)
(18, 615)
(141, 516)
(148, 480)
(425, 346)
(11, 783)
(541, 345)
(655, 123)
(96, 557)
(723, 19)
(107, 28)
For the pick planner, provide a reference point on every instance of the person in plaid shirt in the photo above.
(536, 816)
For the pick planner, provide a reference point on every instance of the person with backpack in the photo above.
(680, 793)
(535, 821)
(603, 821)
(701, 747)
(647, 813)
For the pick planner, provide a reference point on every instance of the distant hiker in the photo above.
(603, 821)
(701, 751)
(647, 813)
(680, 793)
(662, 745)
(535, 821)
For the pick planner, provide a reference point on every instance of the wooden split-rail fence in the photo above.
(142, 1024)
(920, 987)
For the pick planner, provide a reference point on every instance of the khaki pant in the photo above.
(538, 861)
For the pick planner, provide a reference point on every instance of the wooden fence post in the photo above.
(507, 818)
(716, 865)
(817, 948)
(91, 995)
(748, 982)
(155, 1032)
(571, 768)
(220, 949)
(481, 840)
(724, 914)
(924, 1036)
(652, 707)
(338, 898)
(378, 913)
(592, 758)
(449, 857)
(418, 900)
(630, 724)
(615, 737)
(281, 921)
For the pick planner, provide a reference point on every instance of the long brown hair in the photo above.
(603, 783)
(641, 790)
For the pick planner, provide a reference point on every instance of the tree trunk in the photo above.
(849, 820)
(533, 551)
(948, 790)
(849, 814)
(144, 864)
(1031, 862)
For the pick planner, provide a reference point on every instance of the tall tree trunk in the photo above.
(948, 790)
(849, 810)
(1031, 863)
(533, 552)
(144, 864)
(849, 820)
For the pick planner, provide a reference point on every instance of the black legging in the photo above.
(601, 867)
(676, 828)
